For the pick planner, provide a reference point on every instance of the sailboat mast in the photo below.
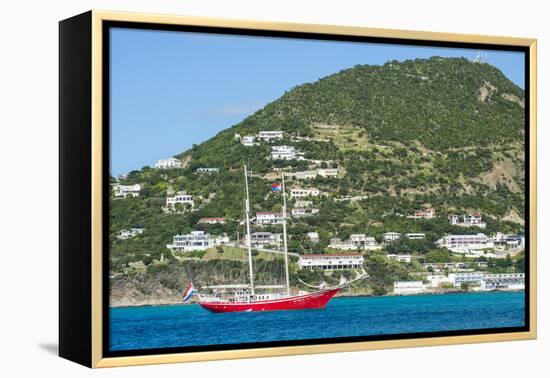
(249, 239)
(284, 235)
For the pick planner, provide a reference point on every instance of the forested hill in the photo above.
(445, 133)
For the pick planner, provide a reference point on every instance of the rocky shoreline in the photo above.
(165, 298)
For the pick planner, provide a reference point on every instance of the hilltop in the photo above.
(442, 133)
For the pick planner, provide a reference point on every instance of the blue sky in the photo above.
(170, 90)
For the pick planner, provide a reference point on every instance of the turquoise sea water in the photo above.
(189, 325)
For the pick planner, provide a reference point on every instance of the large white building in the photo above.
(168, 163)
(270, 135)
(182, 198)
(304, 192)
(284, 153)
(267, 218)
(331, 261)
(408, 287)
(195, 241)
(464, 243)
(123, 191)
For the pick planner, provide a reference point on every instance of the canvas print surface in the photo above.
(268, 190)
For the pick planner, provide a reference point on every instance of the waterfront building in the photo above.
(423, 214)
(408, 287)
(123, 191)
(332, 261)
(473, 278)
(195, 241)
(212, 220)
(400, 258)
(390, 236)
(182, 198)
(267, 218)
(207, 170)
(169, 163)
(130, 233)
(304, 192)
(463, 243)
(503, 281)
(270, 135)
(436, 280)
(415, 235)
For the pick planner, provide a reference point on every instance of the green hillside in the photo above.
(445, 133)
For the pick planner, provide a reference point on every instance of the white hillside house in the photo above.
(270, 135)
(285, 153)
(181, 197)
(304, 192)
(168, 163)
(468, 220)
(212, 220)
(333, 261)
(415, 235)
(207, 170)
(267, 218)
(195, 241)
(390, 236)
(313, 236)
(327, 172)
(464, 243)
(264, 239)
(423, 214)
(303, 212)
(248, 140)
(123, 191)
(399, 258)
(130, 233)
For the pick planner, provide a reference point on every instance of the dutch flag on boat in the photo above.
(188, 293)
(276, 187)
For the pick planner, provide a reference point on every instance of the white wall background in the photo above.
(28, 186)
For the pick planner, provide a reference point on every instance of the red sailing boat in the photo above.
(249, 297)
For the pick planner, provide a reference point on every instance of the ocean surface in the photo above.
(189, 325)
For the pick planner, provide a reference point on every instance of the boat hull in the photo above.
(316, 300)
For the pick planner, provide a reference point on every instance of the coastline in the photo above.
(431, 293)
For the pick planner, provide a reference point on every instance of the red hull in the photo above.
(314, 300)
